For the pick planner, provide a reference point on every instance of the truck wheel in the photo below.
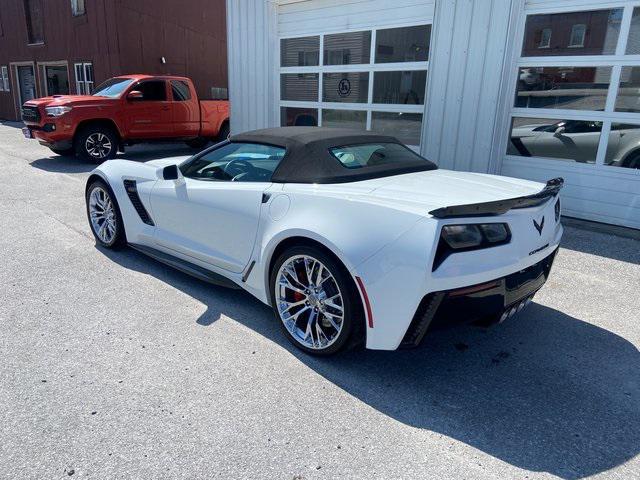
(198, 143)
(65, 152)
(96, 144)
(223, 134)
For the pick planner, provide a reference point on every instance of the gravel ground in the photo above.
(115, 366)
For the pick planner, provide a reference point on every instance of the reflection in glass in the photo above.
(623, 148)
(593, 32)
(405, 44)
(633, 40)
(348, 87)
(576, 88)
(575, 140)
(299, 86)
(299, 52)
(356, 119)
(298, 117)
(628, 98)
(347, 48)
(399, 87)
(406, 127)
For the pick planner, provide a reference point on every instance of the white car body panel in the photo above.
(380, 229)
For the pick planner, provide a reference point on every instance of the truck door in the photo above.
(185, 109)
(150, 115)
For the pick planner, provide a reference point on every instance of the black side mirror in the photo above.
(170, 172)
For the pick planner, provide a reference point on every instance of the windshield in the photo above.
(375, 154)
(113, 87)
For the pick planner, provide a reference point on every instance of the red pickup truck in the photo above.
(122, 111)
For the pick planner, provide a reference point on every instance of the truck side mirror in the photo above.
(170, 172)
(134, 95)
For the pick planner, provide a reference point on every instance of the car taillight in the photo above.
(471, 236)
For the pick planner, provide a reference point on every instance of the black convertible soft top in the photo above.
(308, 159)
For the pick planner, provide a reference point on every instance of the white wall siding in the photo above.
(252, 53)
(328, 16)
(466, 68)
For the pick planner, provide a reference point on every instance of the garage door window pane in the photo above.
(593, 32)
(350, 87)
(405, 127)
(406, 44)
(347, 48)
(623, 148)
(573, 140)
(399, 87)
(299, 86)
(628, 98)
(299, 52)
(298, 117)
(575, 88)
(356, 119)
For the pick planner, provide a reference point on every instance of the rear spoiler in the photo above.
(498, 207)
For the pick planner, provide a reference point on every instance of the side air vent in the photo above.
(132, 192)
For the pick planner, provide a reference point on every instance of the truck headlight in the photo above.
(471, 236)
(57, 111)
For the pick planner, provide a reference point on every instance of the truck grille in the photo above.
(30, 114)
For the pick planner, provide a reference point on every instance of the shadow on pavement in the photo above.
(603, 245)
(546, 392)
(137, 153)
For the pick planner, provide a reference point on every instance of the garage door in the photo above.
(355, 64)
(575, 108)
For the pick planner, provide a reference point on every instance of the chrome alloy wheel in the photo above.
(98, 145)
(309, 302)
(102, 214)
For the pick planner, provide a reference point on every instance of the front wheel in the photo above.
(315, 301)
(96, 144)
(104, 215)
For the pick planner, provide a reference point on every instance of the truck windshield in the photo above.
(113, 87)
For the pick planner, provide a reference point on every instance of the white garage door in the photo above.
(355, 64)
(575, 108)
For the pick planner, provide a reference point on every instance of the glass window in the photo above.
(400, 87)
(577, 35)
(113, 87)
(34, 16)
(575, 88)
(245, 162)
(299, 86)
(623, 147)
(405, 44)
(180, 91)
(152, 90)
(351, 87)
(57, 78)
(545, 38)
(5, 78)
(298, 117)
(347, 48)
(376, 154)
(628, 98)
(575, 140)
(633, 41)
(592, 32)
(356, 119)
(77, 8)
(84, 78)
(406, 127)
(299, 52)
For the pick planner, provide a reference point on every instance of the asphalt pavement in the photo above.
(115, 366)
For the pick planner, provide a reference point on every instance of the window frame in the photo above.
(74, 8)
(83, 86)
(617, 60)
(371, 68)
(548, 44)
(5, 82)
(573, 31)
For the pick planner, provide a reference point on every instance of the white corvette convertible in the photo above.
(350, 236)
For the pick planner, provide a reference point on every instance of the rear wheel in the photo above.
(96, 143)
(223, 134)
(315, 301)
(104, 215)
